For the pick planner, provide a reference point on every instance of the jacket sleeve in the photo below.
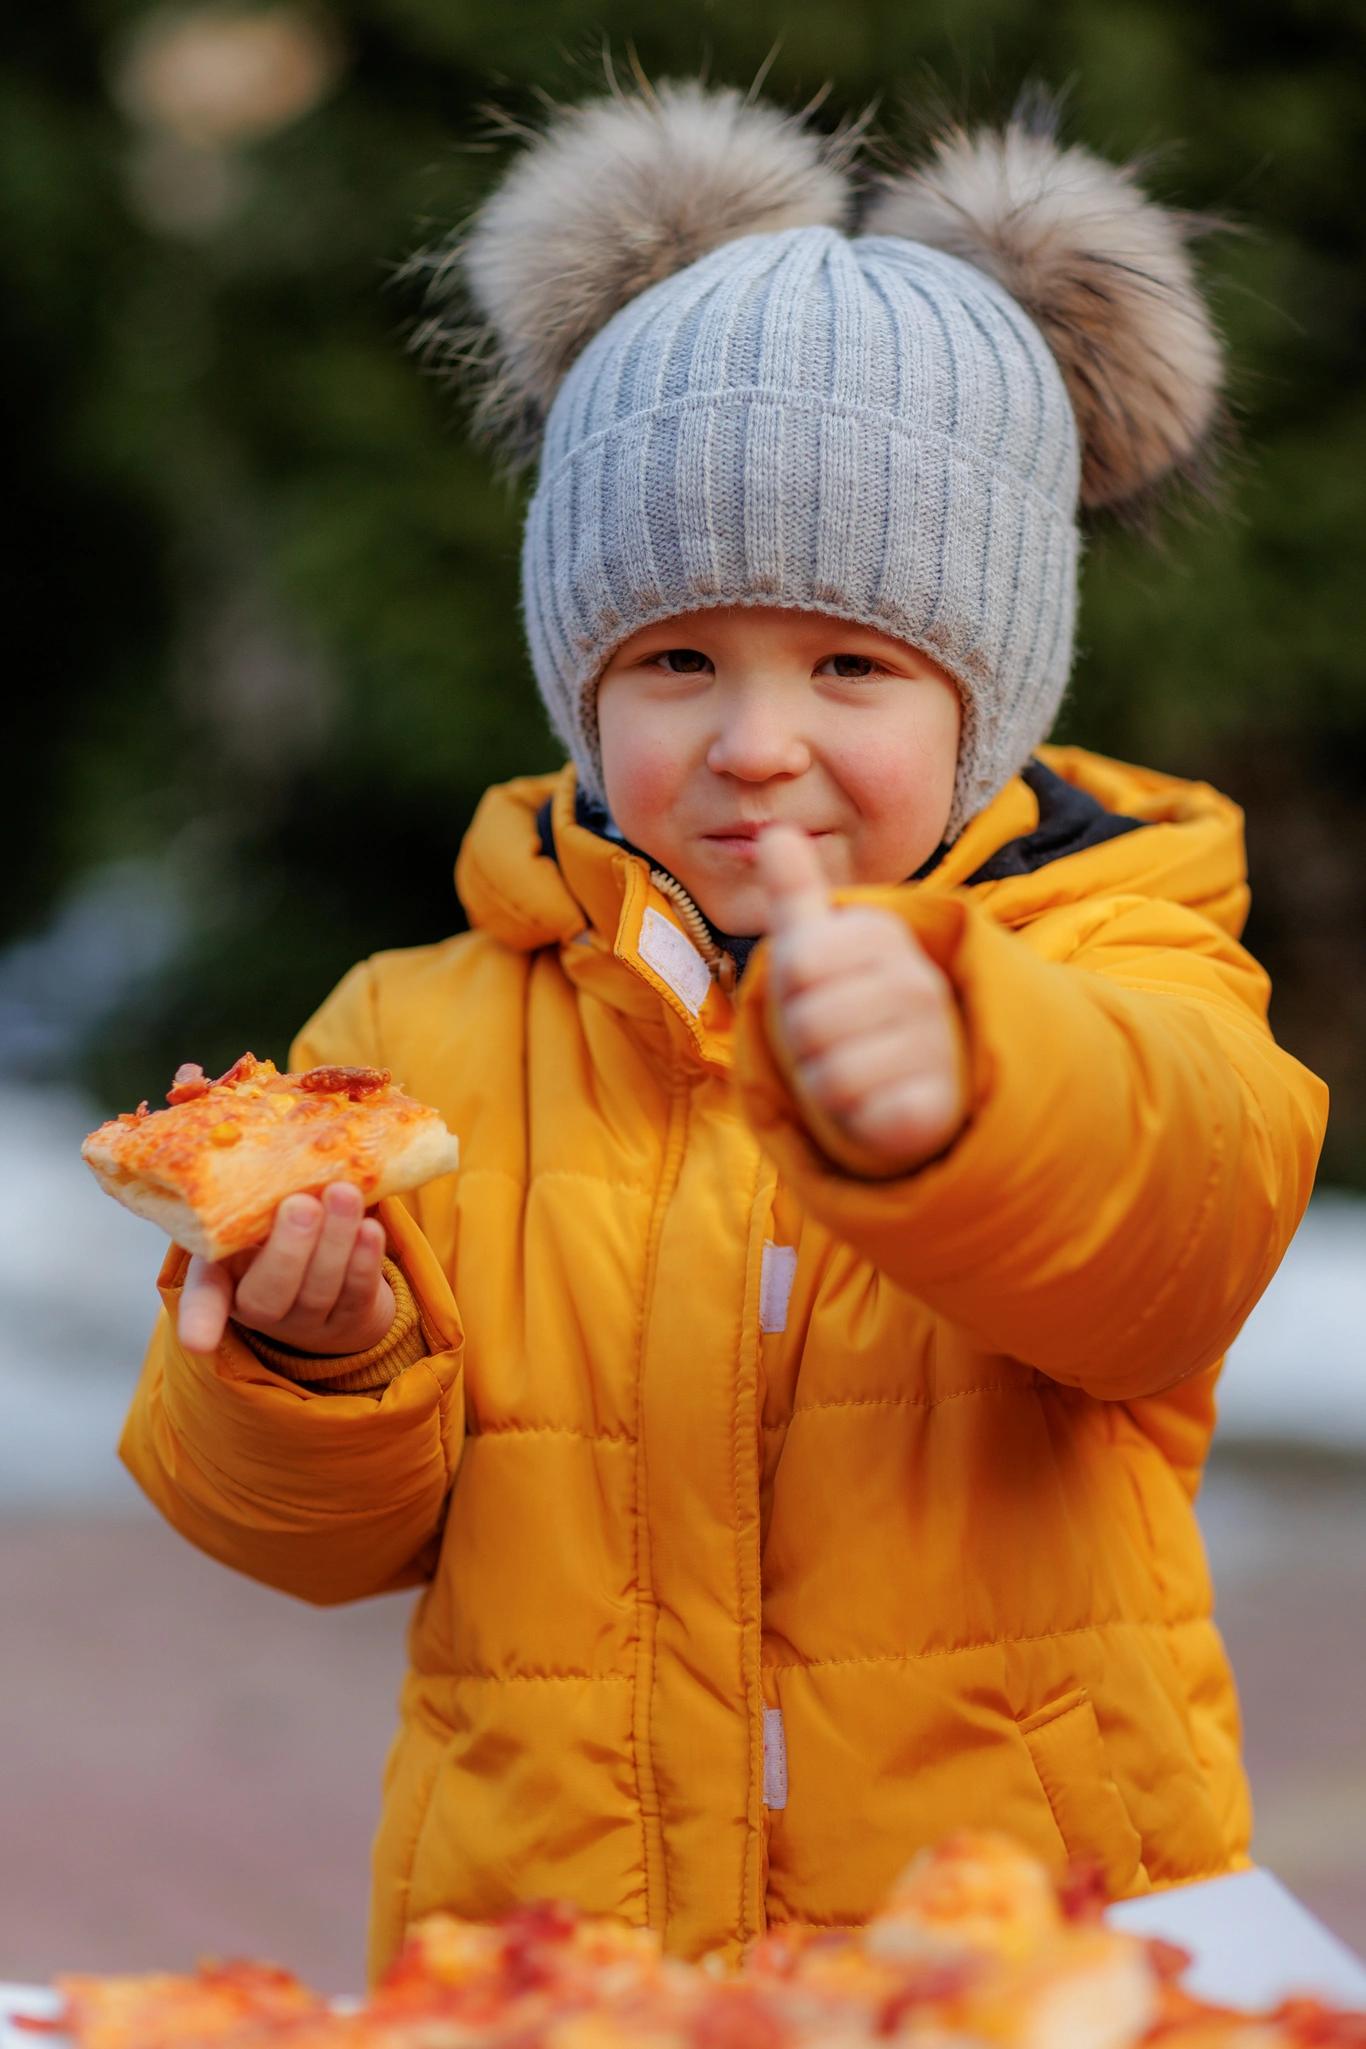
(1137, 1155)
(328, 1496)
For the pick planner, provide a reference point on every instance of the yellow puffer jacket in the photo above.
(796, 1518)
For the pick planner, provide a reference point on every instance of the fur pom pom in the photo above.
(1103, 272)
(616, 194)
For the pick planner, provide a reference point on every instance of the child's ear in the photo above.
(610, 198)
(1103, 272)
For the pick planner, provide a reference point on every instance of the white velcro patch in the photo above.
(775, 1759)
(675, 960)
(776, 1276)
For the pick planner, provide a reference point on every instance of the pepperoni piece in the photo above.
(347, 1081)
(1082, 1892)
(243, 1067)
(190, 1081)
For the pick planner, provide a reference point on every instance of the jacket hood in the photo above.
(1073, 825)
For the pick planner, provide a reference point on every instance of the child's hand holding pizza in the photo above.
(316, 1284)
(265, 1178)
(867, 1023)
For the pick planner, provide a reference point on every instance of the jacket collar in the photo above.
(1072, 825)
(512, 884)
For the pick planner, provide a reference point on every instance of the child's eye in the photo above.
(864, 666)
(691, 659)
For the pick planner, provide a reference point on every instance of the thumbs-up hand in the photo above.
(866, 1022)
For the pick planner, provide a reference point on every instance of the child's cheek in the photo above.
(642, 776)
(902, 788)
(887, 781)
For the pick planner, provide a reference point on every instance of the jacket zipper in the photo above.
(721, 963)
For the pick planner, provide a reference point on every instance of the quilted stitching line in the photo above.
(534, 1678)
(858, 1927)
(679, 1111)
(597, 1180)
(525, 1182)
(748, 1320)
(988, 1643)
(623, 1437)
(909, 1401)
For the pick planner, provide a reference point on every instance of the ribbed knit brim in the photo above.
(865, 427)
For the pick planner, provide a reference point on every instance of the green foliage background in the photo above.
(264, 591)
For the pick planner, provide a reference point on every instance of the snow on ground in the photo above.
(77, 1300)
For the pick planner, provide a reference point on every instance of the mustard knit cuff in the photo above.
(403, 1344)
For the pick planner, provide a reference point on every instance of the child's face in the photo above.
(734, 716)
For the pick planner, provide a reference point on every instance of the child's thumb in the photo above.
(205, 1303)
(792, 877)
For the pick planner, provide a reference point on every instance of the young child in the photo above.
(793, 1408)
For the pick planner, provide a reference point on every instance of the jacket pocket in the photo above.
(1063, 1739)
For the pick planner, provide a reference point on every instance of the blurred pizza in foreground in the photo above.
(216, 2003)
(977, 1947)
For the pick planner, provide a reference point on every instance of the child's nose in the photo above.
(757, 741)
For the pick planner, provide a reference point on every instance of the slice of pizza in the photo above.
(537, 1960)
(213, 1167)
(976, 1891)
(161, 2010)
(547, 1976)
(975, 1943)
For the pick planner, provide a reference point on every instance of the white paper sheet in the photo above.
(1252, 1942)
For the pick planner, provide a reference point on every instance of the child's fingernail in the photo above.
(342, 1199)
(299, 1215)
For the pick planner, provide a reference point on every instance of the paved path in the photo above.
(189, 1763)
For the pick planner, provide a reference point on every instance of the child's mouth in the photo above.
(744, 846)
(745, 849)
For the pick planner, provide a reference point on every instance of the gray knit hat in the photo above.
(736, 398)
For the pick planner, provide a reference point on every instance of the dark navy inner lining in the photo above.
(1070, 820)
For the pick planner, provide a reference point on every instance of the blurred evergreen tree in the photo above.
(264, 592)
